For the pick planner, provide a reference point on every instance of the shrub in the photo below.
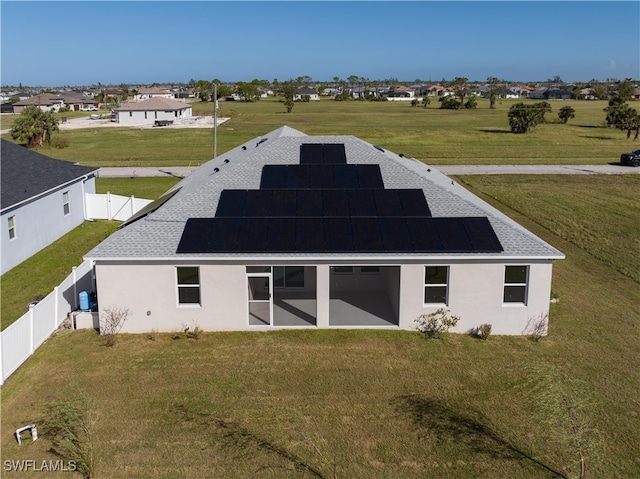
(60, 143)
(111, 322)
(484, 331)
(194, 333)
(435, 325)
(69, 425)
(537, 327)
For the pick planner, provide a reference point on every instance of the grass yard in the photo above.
(372, 404)
(432, 135)
(37, 276)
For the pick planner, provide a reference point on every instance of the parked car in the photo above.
(163, 122)
(631, 159)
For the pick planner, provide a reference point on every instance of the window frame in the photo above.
(524, 285)
(427, 285)
(11, 227)
(372, 270)
(66, 203)
(182, 286)
(284, 278)
(347, 270)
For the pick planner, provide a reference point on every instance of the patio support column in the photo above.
(322, 295)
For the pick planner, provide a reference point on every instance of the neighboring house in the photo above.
(153, 92)
(290, 230)
(42, 200)
(305, 91)
(45, 101)
(148, 111)
(79, 102)
(401, 92)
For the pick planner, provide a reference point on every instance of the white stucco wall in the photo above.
(40, 222)
(148, 117)
(475, 294)
(150, 293)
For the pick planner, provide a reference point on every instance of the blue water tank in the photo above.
(84, 300)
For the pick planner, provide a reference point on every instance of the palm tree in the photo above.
(34, 127)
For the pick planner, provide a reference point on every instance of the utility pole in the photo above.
(215, 120)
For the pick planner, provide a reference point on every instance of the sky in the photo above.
(83, 43)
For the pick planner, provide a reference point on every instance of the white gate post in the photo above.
(55, 305)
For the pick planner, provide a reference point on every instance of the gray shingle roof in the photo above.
(26, 174)
(158, 234)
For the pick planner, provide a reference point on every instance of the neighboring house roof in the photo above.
(196, 200)
(154, 104)
(26, 174)
(154, 90)
(45, 99)
(306, 90)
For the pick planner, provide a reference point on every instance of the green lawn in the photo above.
(432, 135)
(371, 404)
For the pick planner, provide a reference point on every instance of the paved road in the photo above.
(182, 171)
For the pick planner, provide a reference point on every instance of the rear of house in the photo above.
(289, 231)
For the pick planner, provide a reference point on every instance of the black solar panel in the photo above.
(424, 235)
(414, 203)
(311, 153)
(345, 176)
(334, 153)
(231, 203)
(273, 176)
(224, 235)
(482, 235)
(453, 235)
(367, 237)
(337, 235)
(319, 153)
(335, 203)
(387, 203)
(395, 235)
(362, 203)
(309, 203)
(195, 237)
(253, 235)
(283, 203)
(369, 176)
(258, 203)
(281, 237)
(309, 235)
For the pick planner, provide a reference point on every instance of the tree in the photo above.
(493, 83)
(523, 117)
(599, 91)
(623, 117)
(472, 103)
(203, 89)
(565, 113)
(626, 89)
(449, 102)
(289, 90)
(543, 107)
(34, 127)
(460, 87)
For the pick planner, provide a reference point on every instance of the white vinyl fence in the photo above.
(22, 338)
(112, 207)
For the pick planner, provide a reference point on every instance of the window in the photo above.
(343, 270)
(515, 284)
(11, 221)
(288, 276)
(130, 114)
(436, 284)
(370, 269)
(66, 205)
(188, 285)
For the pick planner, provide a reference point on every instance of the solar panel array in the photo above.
(338, 235)
(324, 205)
